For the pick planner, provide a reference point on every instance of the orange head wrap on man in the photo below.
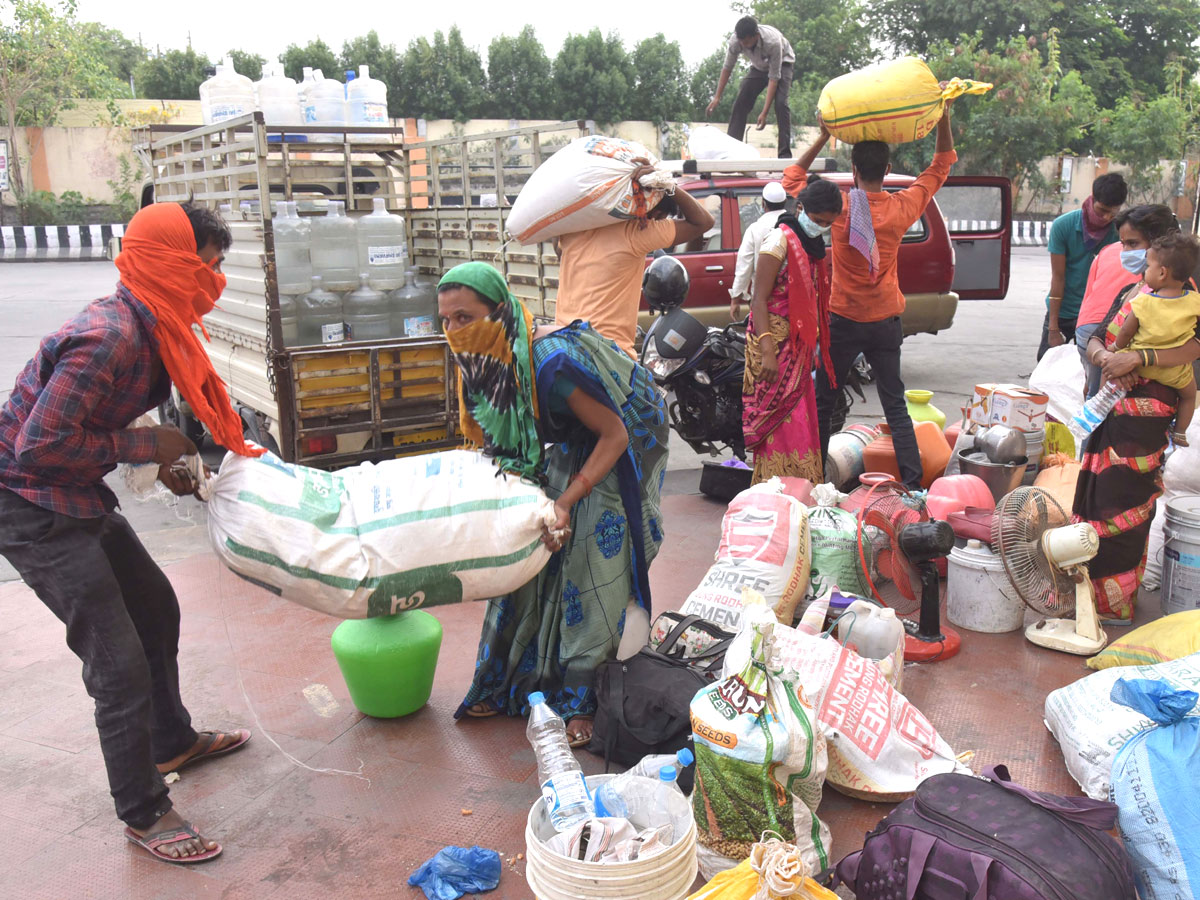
(160, 266)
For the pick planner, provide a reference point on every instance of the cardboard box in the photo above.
(1008, 404)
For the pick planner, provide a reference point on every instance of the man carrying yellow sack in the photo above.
(866, 302)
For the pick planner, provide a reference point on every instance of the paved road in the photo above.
(990, 341)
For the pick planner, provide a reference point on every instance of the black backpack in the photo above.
(644, 702)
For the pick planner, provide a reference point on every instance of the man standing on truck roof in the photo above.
(62, 430)
(866, 302)
(774, 202)
(600, 271)
(771, 61)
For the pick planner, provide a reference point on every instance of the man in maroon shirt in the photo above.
(63, 428)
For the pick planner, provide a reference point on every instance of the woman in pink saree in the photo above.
(787, 335)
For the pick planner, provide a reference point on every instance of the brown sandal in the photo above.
(574, 740)
(156, 839)
(206, 750)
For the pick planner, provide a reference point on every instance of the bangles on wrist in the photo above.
(585, 481)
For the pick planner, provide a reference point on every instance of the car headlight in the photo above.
(659, 367)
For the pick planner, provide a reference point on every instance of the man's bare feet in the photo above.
(579, 731)
(174, 839)
(208, 743)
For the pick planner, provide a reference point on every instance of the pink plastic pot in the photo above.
(954, 493)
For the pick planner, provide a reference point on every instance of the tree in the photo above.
(316, 55)
(518, 77)
(593, 78)
(247, 63)
(1034, 110)
(443, 79)
(173, 75)
(662, 90)
(384, 61)
(704, 85)
(118, 54)
(45, 62)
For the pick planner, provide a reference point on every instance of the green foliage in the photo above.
(594, 78)
(704, 84)
(173, 75)
(662, 90)
(519, 81)
(126, 188)
(442, 80)
(1141, 135)
(38, 208)
(247, 63)
(117, 53)
(315, 54)
(385, 62)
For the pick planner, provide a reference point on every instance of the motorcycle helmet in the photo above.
(665, 284)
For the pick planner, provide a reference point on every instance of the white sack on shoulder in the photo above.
(374, 540)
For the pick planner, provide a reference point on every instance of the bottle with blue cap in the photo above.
(563, 786)
(609, 797)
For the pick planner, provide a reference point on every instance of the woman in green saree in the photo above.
(566, 408)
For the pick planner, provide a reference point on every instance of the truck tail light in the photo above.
(319, 446)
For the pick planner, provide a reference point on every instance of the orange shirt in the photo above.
(600, 276)
(856, 295)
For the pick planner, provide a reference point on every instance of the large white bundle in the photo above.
(587, 184)
(1060, 376)
(708, 142)
(374, 540)
(1181, 478)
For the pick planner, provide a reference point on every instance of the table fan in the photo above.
(1045, 558)
(912, 541)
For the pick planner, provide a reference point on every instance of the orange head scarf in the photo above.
(159, 264)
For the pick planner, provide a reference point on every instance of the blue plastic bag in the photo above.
(1156, 786)
(455, 871)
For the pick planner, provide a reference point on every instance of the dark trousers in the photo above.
(880, 343)
(1066, 326)
(752, 85)
(122, 621)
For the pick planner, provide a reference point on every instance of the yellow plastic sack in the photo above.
(896, 102)
(741, 883)
(1171, 637)
(1059, 440)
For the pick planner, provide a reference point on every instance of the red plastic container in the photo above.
(880, 454)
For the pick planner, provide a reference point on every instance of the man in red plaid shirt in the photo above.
(62, 430)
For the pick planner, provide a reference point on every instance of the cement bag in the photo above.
(1162, 640)
(764, 546)
(707, 142)
(1091, 728)
(1156, 786)
(880, 745)
(373, 540)
(895, 101)
(587, 184)
(1181, 478)
(1060, 376)
(760, 763)
(1058, 478)
(835, 554)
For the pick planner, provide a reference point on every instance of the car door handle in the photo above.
(714, 268)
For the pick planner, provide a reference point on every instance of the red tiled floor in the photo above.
(291, 832)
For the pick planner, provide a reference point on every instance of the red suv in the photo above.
(958, 250)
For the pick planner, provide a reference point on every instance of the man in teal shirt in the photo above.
(1075, 239)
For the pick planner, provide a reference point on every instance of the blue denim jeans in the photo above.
(122, 621)
(1083, 334)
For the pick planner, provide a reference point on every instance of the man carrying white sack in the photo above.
(600, 271)
(62, 430)
(774, 202)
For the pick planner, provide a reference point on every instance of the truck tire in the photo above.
(169, 413)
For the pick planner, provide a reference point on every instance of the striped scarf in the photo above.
(862, 229)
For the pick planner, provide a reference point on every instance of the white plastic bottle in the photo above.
(651, 766)
(321, 318)
(368, 312)
(670, 807)
(877, 634)
(293, 267)
(413, 312)
(226, 95)
(382, 251)
(563, 786)
(326, 105)
(278, 97)
(366, 99)
(289, 318)
(609, 796)
(335, 248)
(1095, 410)
(302, 91)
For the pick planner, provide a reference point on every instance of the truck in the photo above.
(337, 404)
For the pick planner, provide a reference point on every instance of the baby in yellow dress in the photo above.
(1166, 319)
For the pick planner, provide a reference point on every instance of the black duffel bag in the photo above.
(643, 703)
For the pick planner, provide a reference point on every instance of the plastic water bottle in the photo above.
(278, 97)
(368, 312)
(326, 105)
(650, 766)
(289, 318)
(609, 795)
(1095, 411)
(293, 266)
(670, 806)
(302, 92)
(335, 248)
(382, 251)
(414, 312)
(366, 99)
(321, 317)
(226, 95)
(563, 787)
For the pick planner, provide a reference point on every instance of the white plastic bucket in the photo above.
(978, 594)
(844, 458)
(1035, 448)
(1181, 556)
(666, 876)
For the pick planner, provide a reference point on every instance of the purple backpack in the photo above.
(966, 838)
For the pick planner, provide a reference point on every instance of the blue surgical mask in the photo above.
(811, 228)
(1133, 261)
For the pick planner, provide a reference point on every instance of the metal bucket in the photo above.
(1181, 556)
(999, 477)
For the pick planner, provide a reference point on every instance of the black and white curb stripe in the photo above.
(1025, 232)
(56, 242)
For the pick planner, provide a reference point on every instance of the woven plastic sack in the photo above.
(1171, 637)
(707, 142)
(760, 762)
(896, 102)
(1091, 728)
(587, 184)
(1156, 786)
(835, 556)
(374, 540)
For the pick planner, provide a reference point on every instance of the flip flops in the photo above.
(206, 750)
(156, 839)
(575, 741)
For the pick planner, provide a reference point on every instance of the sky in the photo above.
(268, 27)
